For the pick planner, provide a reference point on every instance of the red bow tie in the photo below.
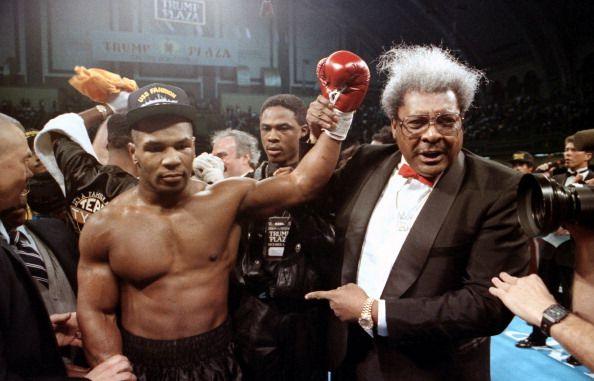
(407, 172)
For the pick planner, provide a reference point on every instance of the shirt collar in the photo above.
(580, 171)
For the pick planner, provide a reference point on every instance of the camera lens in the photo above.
(544, 205)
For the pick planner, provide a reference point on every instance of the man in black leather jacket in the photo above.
(279, 335)
(88, 184)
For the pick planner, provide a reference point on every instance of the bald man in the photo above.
(28, 346)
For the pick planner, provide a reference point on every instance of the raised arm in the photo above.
(344, 79)
(302, 184)
(98, 293)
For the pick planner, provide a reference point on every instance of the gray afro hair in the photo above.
(425, 69)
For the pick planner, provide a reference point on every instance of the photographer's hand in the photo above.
(526, 297)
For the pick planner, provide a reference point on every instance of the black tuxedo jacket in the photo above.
(438, 308)
(28, 348)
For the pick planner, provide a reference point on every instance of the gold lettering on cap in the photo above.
(162, 90)
(143, 96)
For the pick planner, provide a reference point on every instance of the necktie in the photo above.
(407, 172)
(30, 256)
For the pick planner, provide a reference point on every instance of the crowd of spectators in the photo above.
(522, 117)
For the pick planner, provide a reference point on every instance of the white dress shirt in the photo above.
(394, 214)
(583, 172)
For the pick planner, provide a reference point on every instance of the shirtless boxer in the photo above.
(155, 263)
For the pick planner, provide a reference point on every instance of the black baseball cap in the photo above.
(522, 157)
(160, 99)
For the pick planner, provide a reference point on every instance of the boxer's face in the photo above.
(280, 133)
(430, 153)
(14, 169)
(163, 154)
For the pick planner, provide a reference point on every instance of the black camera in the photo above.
(544, 205)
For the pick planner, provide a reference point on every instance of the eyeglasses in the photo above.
(446, 124)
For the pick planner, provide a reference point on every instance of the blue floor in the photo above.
(509, 363)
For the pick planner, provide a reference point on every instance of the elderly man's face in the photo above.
(430, 153)
(14, 171)
(235, 165)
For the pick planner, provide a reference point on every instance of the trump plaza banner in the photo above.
(183, 11)
(151, 48)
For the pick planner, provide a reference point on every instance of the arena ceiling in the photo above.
(487, 33)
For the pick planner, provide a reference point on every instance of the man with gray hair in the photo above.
(421, 230)
(234, 153)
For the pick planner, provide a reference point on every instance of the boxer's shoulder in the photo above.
(120, 207)
(232, 186)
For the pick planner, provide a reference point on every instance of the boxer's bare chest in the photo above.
(150, 243)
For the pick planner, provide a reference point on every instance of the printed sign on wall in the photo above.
(183, 11)
(137, 47)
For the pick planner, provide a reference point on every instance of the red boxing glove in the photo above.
(344, 80)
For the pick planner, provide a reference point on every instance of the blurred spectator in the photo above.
(522, 162)
(383, 136)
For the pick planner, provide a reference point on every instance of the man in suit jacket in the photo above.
(28, 346)
(557, 250)
(56, 244)
(422, 232)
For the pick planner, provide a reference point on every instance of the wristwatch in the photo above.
(552, 315)
(366, 320)
(103, 111)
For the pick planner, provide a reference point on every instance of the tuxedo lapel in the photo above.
(360, 214)
(420, 239)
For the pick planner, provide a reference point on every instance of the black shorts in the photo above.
(208, 356)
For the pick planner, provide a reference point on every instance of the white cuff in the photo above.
(382, 323)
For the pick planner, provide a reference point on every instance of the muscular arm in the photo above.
(98, 293)
(304, 183)
(91, 117)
